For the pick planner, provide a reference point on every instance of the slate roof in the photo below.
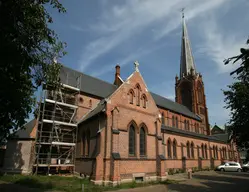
(102, 89)
(173, 106)
(173, 130)
(88, 84)
(25, 133)
(223, 137)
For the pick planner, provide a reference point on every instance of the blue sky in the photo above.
(102, 33)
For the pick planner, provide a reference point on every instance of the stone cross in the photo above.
(136, 65)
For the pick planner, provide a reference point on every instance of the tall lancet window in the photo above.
(138, 90)
(199, 92)
(132, 140)
(186, 94)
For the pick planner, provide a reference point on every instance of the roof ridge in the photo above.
(89, 75)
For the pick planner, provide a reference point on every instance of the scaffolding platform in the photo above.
(57, 129)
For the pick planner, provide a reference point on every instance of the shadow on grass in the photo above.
(26, 185)
(33, 183)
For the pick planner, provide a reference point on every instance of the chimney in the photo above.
(117, 71)
(117, 80)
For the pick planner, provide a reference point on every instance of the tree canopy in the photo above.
(237, 98)
(27, 49)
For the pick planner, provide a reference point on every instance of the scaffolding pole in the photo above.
(56, 135)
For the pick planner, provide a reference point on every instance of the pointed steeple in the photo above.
(187, 61)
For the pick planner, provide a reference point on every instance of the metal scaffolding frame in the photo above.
(57, 128)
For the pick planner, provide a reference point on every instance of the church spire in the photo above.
(187, 61)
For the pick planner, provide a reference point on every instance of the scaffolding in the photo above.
(57, 129)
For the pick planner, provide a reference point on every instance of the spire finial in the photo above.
(136, 65)
(182, 10)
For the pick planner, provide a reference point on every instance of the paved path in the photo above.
(210, 181)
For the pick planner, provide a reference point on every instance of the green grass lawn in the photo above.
(68, 184)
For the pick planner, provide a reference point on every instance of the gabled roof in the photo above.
(25, 132)
(102, 89)
(217, 130)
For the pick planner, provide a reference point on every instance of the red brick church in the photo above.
(126, 132)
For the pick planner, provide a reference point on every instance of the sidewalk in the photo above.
(178, 177)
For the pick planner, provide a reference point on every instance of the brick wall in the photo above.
(86, 102)
(144, 166)
(113, 137)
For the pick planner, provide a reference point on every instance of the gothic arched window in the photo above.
(186, 94)
(202, 151)
(144, 100)
(173, 121)
(132, 140)
(192, 150)
(214, 153)
(199, 92)
(163, 118)
(216, 150)
(131, 96)
(138, 90)
(176, 124)
(142, 142)
(174, 149)
(188, 150)
(169, 149)
(206, 152)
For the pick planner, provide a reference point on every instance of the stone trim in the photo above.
(162, 157)
(116, 156)
(115, 131)
(122, 130)
(159, 137)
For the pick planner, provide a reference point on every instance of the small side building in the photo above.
(19, 154)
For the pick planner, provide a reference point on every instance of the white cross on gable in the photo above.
(136, 65)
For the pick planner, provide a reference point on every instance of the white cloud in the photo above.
(127, 60)
(165, 89)
(217, 113)
(219, 44)
(120, 22)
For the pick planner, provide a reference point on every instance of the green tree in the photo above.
(237, 98)
(27, 49)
